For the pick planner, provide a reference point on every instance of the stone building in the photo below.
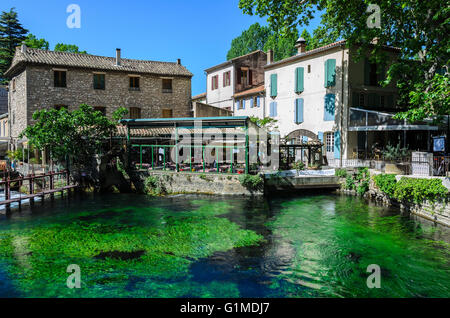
(46, 79)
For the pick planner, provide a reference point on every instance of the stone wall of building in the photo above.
(18, 104)
(41, 93)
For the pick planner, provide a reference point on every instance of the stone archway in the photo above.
(300, 133)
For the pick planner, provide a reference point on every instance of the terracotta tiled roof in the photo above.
(251, 91)
(199, 96)
(317, 50)
(65, 59)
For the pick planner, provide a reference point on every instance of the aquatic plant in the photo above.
(110, 252)
(341, 173)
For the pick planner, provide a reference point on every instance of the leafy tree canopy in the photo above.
(71, 48)
(418, 28)
(33, 42)
(252, 39)
(12, 34)
(79, 134)
(264, 38)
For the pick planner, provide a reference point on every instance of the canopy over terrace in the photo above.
(371, 130)
(208, 144)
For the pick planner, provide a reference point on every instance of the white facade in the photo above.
(313, 94)
(252, 107)
(222, 96)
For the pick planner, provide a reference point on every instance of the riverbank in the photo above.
(362, 182)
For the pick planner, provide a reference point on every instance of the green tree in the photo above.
(33, 42)
(71, 48)
(418, 28)
(79, 134)
(252, 39)
(283, 45)
(12, 34)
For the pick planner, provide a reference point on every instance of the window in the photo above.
(362, 100)
(135, 113)
(330, 142)
(100, 109)
(329, 107)
(60, 78)
(273, 85)
(330, 73)
(59, 107)
(14, 84)
(373, 73)
(299, 110)
(309, 68)
(167, 113)
(226, 79)
(99, 81)
(134, 83)
(167, 85)
(299, 76)
(215, 82)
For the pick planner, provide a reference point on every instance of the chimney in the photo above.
(300, 45)
(23, 48)
(179, 61)
(118, 58)
(270, 56)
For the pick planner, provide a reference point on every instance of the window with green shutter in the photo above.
(299, 102)
(299, 79)
(273, 85)
(330, 73)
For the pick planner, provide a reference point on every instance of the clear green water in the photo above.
(197, 246)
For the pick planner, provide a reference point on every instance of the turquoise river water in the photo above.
(315, 245)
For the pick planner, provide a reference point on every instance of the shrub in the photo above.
(419, 190)
(349, 183)
(386, 183)
(299, 165)
(154, 186)
(363, 187)
(363, 174)
(252, 183)
(341, 173)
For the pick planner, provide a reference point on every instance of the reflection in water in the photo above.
(200, 246)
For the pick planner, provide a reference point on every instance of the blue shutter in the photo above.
(329, 108)
(243, 104)
(337, 145)
(273, 85)
(251, 102)
(320, 135)
(330, 73)
(258, 102)
(238, 104)
(299, 102)
(273, 109)
(299, 77)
